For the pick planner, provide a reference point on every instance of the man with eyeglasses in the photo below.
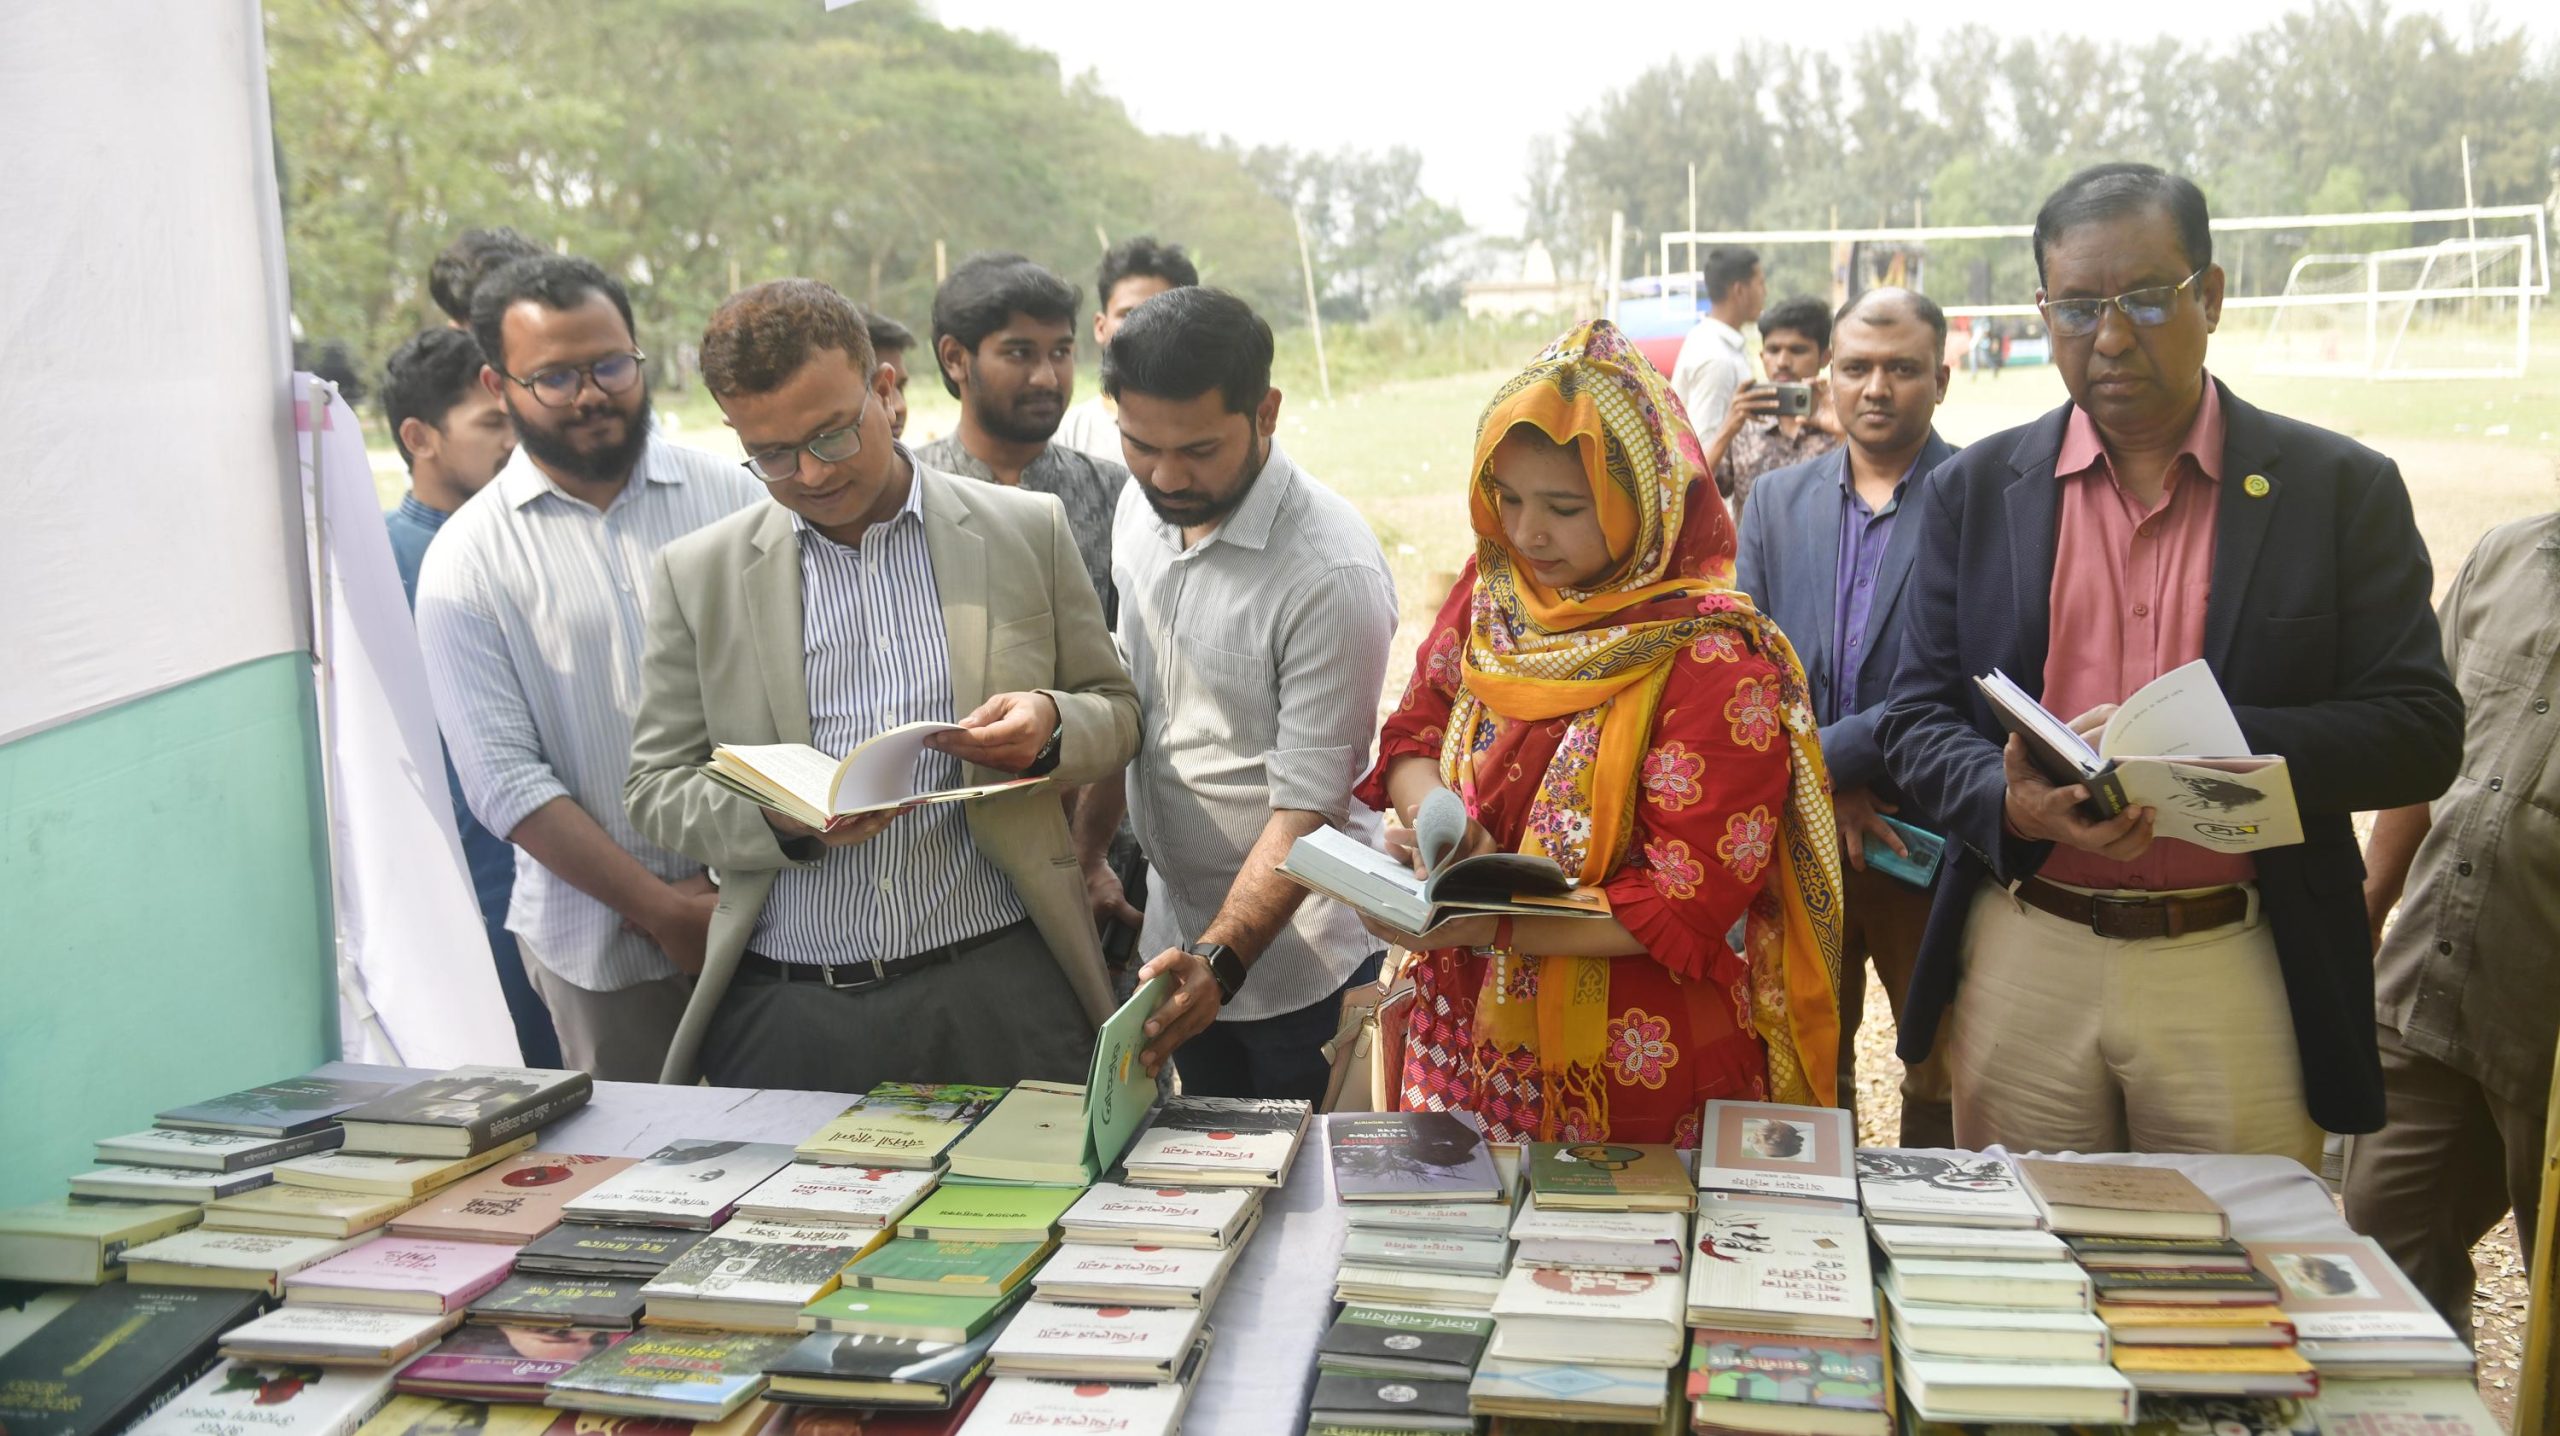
(946, 943)
(530, 616)
(2109, 991)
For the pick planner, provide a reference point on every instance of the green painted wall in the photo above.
(163, 913)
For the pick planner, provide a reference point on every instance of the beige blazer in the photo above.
(724, 665)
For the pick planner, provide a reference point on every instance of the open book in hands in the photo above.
(2174, 747)
(815, 790)
(1341, 867)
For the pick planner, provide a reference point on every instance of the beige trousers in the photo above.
(2068, 1041)
(617, 1036)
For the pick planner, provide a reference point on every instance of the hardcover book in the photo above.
(280, 1399)
(2346, 1290)
(403, 1274)
(989, 1214)
(2434, 1407)
(466, 1110)
(336, 1335)
(855, 1196)
(2035, 1393)
(1404, 1156)
(1418, 1287)
(1136, 1276)
(744, 1285)
(1204, 1217)
(905, 1125)
(1035, 1133)
(1774, 1149)
(439, 1416)
(2155, 1325)
(590, 1249)
(112, 1356)
(936, 1268)
(303, 1211)
(1111, 1343)
(1820, 1386)
(2137, 1253)
(843, 1369)
(409, 1177)
(1482, 1256)
(253, 1261)
(1608, 1177)
(1955, 1189)
(2043, 1285)
(1793, 1272)
(1507, 1387)
(691, 1376)
(539, 1299)
(1383, 1341)
(81, 1244)
(1901, 1243)
(2121, 1199)
(907, 1315)
(278, 1109)
(1630, 1319)
(2218, 1371)
(1398, 1403)
(1999, 1333)
(166, 1184)
(1469, 1219)
(1022, 1404)
(25, 1308)
(2178, 1286)
(500, 1363)
(512, 1202)
(1241, 1140)
(691, 1184)
(818, 791)
(1600, 1241)
(211, 1151)
(808, 1418)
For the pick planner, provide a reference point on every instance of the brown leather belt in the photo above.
(2131, 918)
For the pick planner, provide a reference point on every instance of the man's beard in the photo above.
(600, 466)
(1193, 512)
(1005, 425)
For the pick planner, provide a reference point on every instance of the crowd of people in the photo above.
(1715, 655)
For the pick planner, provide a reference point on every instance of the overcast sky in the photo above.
(1471, 93)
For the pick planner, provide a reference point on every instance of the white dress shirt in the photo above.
(1713, 364)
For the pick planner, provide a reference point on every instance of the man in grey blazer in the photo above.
(1825, 551)
(945, 943)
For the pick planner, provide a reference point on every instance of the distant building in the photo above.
(1534, 291)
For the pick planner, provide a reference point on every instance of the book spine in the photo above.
(2106, 794)
(505, 1125)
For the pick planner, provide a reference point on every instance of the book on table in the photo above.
(410, 1177)
(2439, 1406)
(938, 1268)
(805, 1417)
(512, 1202)
(989, 1214)
(1774, 1149)
(1999, 1333)
(2106, 1253)
(849, 1369)
(907, 1315)
(690, 1184)
(504, 1364)
(1815, 1386)
(279, 1109)
(1599, 1241)
(2047, 1393)
(816, 791)
(859, 1197)
(445, 1416)
(589, 1249)
(1418, 1287)
(2178, 1286)
(683, 1375)
(166, 1184)
(1608, 1177)
(1384, 1341)
(2352, 1307)
(743, 1283)
(1110, 1213)
(1476, 1256)
(337, 1335)
(403, 1274)
(464, 1111)
(1899, 1241)
(273, 1398)
(1469, 1219)
(111, 1356)
(1123, 1408)
(1614, 1318)
(303, 1211)
(1106, 1343)
(80, 1243)
(251, 1261)
(1619, 1396)
(905, 1125)
(1337, 865)
(2122, 1199)
(1065, 1133)
(25, 1308)
(1391, 1403)
(1220, 1140)
(542, 1300)
(1794, 1272)
(2218, 1371)
(2174, 747)
(2040, 1285)
(1411, 1156)
(1951, 1189)
(212, 1151)
(2148, 1324)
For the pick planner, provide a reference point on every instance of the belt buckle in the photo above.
(879, 975)
(2125, 927)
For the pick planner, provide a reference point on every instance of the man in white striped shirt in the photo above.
(1255, 615)
(529, 614)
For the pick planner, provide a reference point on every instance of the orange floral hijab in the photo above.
(1600, 658)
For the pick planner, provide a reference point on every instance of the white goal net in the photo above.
(2456, 309)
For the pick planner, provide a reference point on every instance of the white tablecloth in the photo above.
(1279, 1298)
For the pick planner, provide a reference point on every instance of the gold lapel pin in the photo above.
(2255, 486)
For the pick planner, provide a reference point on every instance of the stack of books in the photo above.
(1397, 1174)
(689, 1185)
(1219, 1141)
(754, 1275)
(2356, 1315)
(1588, 1319)
(1388, 1368)
(1781, 1295)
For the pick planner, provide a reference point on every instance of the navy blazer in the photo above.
(1789, 562)
(2318, 627)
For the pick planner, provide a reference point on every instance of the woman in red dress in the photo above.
(1595, 690)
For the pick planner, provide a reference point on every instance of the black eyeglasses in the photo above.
(557, 387)
(832, 447)
(2147, 308)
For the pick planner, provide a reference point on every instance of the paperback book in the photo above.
(1342, 867)
(166, 1184)
(403, 1274)
(1392, 1403)
(1134, 1276)
(113, 1355)
(907, 1315)
(2041, 1285)
(1114, 1214)
(1030, 1404)
(211, 1151)
(1900, 1242)
(1508, 1387)
(1109, 1343)
(2346, 1290)
(844, 1369)
(279, 1399)
(2000, 1333)
(592, 1249)
(1772, 1149)
(512, 1202)
(1608, 1177)
(303, 1211)
(989, 1214)
(1819, 1386)
(2121, 1199)
(82, 1244)
(904, 1125)
(940, 1268)
(1612, 1318)
(2424, 1407)
(249, 1261)
(1416, 1287)
(1792, 1272)
(466, 1110)
(1383, 1341)
(1036, 1133)
(1599, 1241)
(1482, 1256)
(817, 791)
(854, 1196)
(539, 1299)
(1457, 1219)
(410, 1177)
(689, 1184)
(1409, 1156)
(507, 1364)
(278, 1109)
(336, 1335)
(688, 1376)
(729, 1284)
(1219, 1140)
(1954, 1189)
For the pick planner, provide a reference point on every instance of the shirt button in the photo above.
(2542, 705)
(2463, 868)
(2497, 784)
(2444, 949)
(2141, 610)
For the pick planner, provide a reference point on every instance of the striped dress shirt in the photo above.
(871, 637)
(1259, 654)
(530, 617)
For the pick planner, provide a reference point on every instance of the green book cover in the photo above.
(972, 1208)
(902, 1313)
(1119, 1090)
(918, 1264)
(1607, 1172)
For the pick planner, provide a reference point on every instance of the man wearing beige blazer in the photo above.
(946, 943)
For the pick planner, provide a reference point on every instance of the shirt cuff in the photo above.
(515, 800)
(1312, 780)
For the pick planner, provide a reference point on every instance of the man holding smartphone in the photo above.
(1825, 552)
(1787, 420)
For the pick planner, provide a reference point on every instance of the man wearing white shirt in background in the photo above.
(529, 614)
(1133, 272)
(1714, 362)
(1256, 611)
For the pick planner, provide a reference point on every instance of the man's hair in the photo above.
(988, 289)
(1803, 314)
(761, 335)
(1911, 301)
(472, 256)
(2112, 191)
(888, 336)
(1185, 342)
(1142, 256)
(554, 281)
(1727, 267)
(425, 377)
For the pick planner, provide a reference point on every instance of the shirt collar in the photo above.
(912, 508)
(1849, 481)
(2083, 451)
(1251, 524)
(416, 511)
(1731, 336)
(522, 481)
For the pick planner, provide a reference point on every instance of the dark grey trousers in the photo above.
(994, 1016)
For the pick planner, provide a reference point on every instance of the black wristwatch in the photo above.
(1227, 969)
(1045, 761)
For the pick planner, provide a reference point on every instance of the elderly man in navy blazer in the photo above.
(2110, 991)
(1825, 551)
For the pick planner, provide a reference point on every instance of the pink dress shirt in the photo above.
(2129, 591)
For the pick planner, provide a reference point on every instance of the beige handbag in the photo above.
(1367, 1050)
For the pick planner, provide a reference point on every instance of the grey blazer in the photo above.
(724, 665)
